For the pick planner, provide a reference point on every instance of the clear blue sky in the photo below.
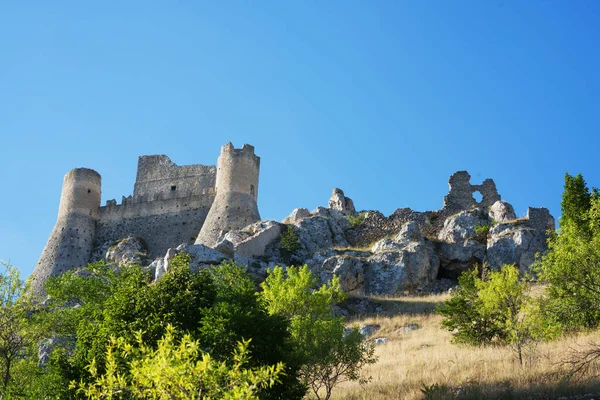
(382, 99)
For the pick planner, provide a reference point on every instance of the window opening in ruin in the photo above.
(252, 190)
(173, 188)
(477, 196)
(89, 191)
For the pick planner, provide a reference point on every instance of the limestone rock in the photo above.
(368, 330)
(130, 250)
(296, 216)
(385, 244)
(48, 345)
(340, 202)
(519, 242)
(409, 232)
(323, 230)
(392, 272)
(501, 211)
(202, 255)
(458, 250)
(351, 271)
(260, 235)
(381, 340)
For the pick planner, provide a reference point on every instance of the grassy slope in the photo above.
(426, 356)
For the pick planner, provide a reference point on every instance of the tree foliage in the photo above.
(329, 355)
(571, 267)
(217, 307)
(174, 370)
(495, 310)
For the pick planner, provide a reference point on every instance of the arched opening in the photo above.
(477, 196)
(252, 190)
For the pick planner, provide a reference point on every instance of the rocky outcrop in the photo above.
(130, 250)
(252, 241)
(379, 255)
(296, 216)
(459, 247)
(340, 202)
(323, 230)
(392, 266)
(518, 241)
(200, 256)
(501, 211)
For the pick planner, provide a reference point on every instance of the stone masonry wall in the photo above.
(162, 224)
(158, 175)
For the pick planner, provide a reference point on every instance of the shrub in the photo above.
(289, 243)
(481, 231)
(356, 220)
(497, 310)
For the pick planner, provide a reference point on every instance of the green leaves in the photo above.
(176, 370)
(328, 355)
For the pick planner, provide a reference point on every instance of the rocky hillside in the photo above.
(371, 253)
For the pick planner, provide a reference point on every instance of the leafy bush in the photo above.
(481, 231)
(289, 243)
(356, 220)
(497, 310)
(175, 370)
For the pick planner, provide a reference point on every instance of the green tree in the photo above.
(17, 334)
(497, 310)
(217, 307)
(175, 370)
(571, 266)
(575, 203)
(329, 355)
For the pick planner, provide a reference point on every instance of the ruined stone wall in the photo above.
(237, 192)
(162, 224)
(460, 196)
(70, 243)
(157, 175)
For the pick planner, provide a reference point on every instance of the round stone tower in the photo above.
(236, 188)
(70, 243)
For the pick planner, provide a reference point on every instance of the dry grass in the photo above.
(425, 357)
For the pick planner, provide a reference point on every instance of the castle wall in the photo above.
(237, 192)
(158, 175)
(70, 243)
(163, 223)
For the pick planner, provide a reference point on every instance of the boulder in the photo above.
(501, 211)
(409, 232)
(324, 230)
(351, 271)
(296, 216)
(392, 272)
(261, 234)
(368, 330)
(129, 250)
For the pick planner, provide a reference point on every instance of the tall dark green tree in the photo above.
(576, 203)
(572, 264)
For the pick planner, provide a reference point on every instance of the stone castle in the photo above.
(170, 205)
(211, 213)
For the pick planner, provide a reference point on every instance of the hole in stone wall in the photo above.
(89, 191)
(173, 188)
(477, 196)
(252, 190)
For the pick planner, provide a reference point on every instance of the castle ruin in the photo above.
(170, 205)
